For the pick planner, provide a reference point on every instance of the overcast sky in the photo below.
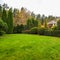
(47, 7)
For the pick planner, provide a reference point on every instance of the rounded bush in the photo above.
(1, 33)
(3, 27)
(41, 31)
(34, 30)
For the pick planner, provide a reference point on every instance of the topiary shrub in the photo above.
(34, 30)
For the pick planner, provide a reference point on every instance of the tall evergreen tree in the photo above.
(34, 22)
(45, 23)
(29, 24)
(42, 19)
(0, 11)
(39, 24)
(38, 17)
(4, 15)
(10, 21)
(33, 15)
(58, 24)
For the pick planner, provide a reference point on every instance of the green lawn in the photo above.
(29, 47)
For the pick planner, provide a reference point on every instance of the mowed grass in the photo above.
(29, 47)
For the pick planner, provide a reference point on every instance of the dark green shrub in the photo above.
(41, 31)
(3, 27)
(1, 33)
(26, 31)
(18, 28)
(34, 30)
(56, 33)
(48, 32)
(54, 28)
(52, 33)
(58, 24)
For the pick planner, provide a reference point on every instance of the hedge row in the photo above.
(52, 33)
(43, 31)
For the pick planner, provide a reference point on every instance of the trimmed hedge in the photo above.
(52, 33)
(48, 33)
(56, 33)
(44, 31)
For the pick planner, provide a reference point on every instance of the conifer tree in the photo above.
(4, 15)
(10, 21)
(0, 11)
